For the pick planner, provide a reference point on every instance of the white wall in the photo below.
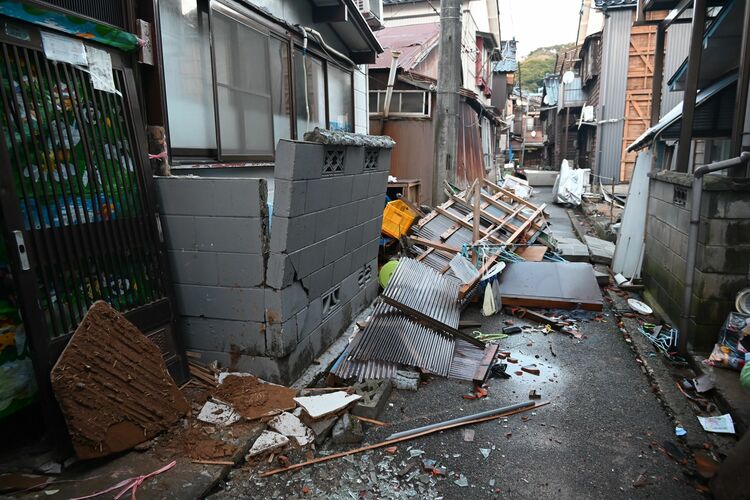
(361, 102)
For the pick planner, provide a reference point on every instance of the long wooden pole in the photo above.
(390, 442)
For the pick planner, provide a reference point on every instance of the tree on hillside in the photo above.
(538, 63)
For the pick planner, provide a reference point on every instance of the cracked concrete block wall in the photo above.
(723, 250)
(268, 296)
(215, 231)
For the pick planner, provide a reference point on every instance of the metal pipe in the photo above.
(391, 80)
(695, 217)
(325, 46)
(483, 414)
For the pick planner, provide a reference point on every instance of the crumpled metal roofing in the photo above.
(414, 42)
(508, 62)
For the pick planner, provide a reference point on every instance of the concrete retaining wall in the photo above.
(266, 290)
(723, 257)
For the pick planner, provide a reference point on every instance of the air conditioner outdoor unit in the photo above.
(373, 12)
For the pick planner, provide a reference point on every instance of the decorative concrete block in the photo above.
(375, 394)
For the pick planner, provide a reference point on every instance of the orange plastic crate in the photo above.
(397, 219)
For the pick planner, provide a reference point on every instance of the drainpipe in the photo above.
(391, 81)
(695, 217)
(330, 50)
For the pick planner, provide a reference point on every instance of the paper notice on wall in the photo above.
(64, 49)
(100, 69)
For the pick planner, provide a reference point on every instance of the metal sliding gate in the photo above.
(76, 200)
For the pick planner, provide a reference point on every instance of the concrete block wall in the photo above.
(723, 253)
(267, 296)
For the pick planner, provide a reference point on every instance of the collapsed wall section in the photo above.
(266, 293)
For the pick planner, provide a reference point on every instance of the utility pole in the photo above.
(446, 112)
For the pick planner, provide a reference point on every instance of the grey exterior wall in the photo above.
(615, 43)
(677, 45)
(266, 288)
(723, 256)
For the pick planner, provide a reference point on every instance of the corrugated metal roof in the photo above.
(551, 89)
(508, 62)
(414, 42)
(615, 4)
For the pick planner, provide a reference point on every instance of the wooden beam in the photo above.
(455, 218)
(477, 218)
(433, 244)
(658, 79)
(398, 440)
(691, 85)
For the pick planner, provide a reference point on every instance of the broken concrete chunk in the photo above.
(347, 430)
(268, 441)
(291, 427)
(601, 250)
(326, 404)
(406, 380)
(375, 394)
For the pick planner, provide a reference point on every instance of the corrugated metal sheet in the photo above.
(615, 43)
(508, 62)
(414, 42)
(677, 45)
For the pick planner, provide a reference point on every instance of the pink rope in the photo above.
(129, 484)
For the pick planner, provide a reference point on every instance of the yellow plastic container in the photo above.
(397, 219)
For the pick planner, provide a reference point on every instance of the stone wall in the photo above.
(723, 254)
(266, 287)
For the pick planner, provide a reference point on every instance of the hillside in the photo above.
(537, 63)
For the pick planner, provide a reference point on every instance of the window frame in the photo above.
(183, 157)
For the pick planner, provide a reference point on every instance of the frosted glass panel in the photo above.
(243, 86)
(340, 99)
(187, 74)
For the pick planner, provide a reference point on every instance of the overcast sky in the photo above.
(539, 23)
